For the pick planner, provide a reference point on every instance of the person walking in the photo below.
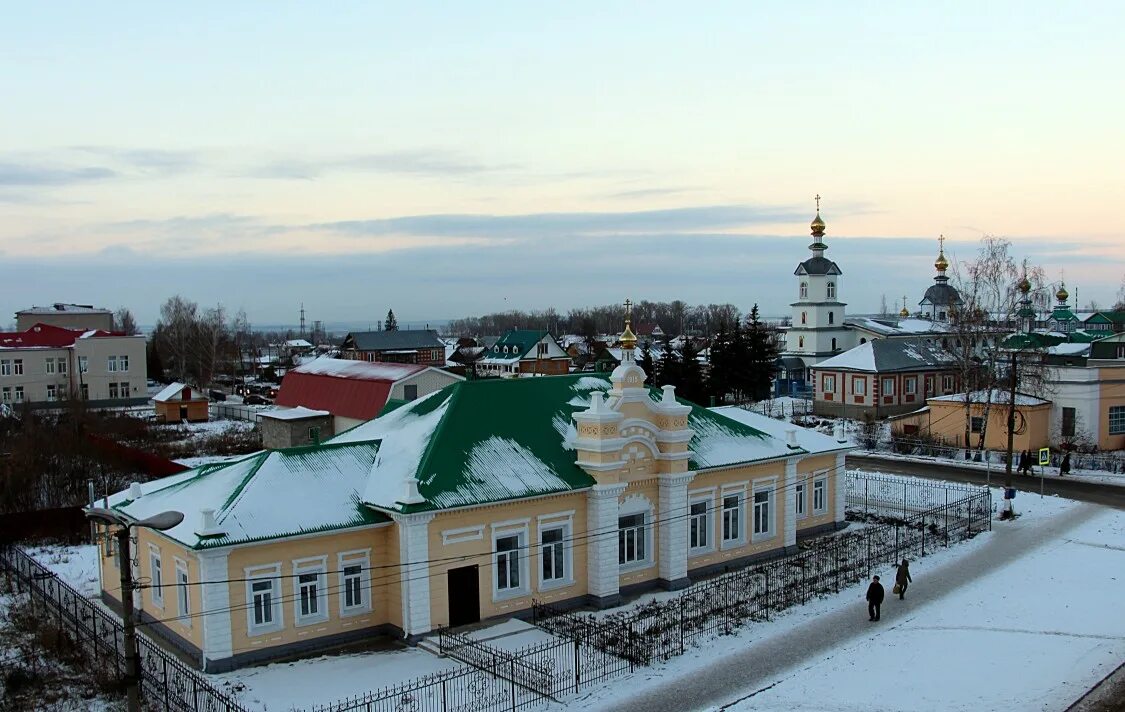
(1064, 466)
(874, 598)
(902, 578)
(1025, 463)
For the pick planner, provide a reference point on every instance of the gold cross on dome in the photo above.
(941, 243)
(818, 202)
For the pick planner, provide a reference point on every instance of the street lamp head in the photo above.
(161, 522)
(105, 516)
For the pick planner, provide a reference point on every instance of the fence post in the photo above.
(904, 495)
(512, 680)
(165, 684)
(681, 625)
(577, 666)
(767, 575)
(947, 518)
(444, 701)
(923, 534)
(866, 482)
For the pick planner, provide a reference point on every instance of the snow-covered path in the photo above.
(844, 634)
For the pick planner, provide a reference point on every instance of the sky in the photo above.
(450, 159)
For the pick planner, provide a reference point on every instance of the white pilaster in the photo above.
(602, 507)
(215, 599)
(673, 516)
(790, 512)
(841, 488)
(414, 551)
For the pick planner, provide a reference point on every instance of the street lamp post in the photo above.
(160, 522)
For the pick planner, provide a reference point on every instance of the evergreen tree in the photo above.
(154, 365)
(718, 376)
(668, 370)
(391, 324)
(647, 364)
(690, 385)
(761, 357)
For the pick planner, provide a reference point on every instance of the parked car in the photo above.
(254, 399)
(217, 395)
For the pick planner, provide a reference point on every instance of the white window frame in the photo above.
(258, 574)
(50, 364)
(829, 383)
(859, 386)
(312, 565)
(630, 510)
(883, 384)
(503, 530)
(770, 488)
(733, 490)
(62, 365)
(800, 499)
(820, 486)
(7, 394)
(83, 364)
(156, 576)
(362, 559)
(183, 592)
(1115, 419)
(17, 367)
(123, 364)
(947, 383)
(113, 389)
(910, 385)
(563, 522)
(5, 367)
(831, 290)
(111, 364)
(19, 394)
(701, 523)
(804, 292)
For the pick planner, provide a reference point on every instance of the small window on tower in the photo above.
(831, 290)
(831, 317)
(803, 319)
(800, 342)
(804, 290)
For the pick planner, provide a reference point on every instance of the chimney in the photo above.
(840, 437)
(597, 399)
(207, 525)
(135, 491)
(413, 496)
(791, 439)
(669, 397)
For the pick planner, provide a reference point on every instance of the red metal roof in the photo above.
(47, 336)
(347, 397)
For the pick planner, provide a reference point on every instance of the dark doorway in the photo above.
(183, 413)
(464, 596)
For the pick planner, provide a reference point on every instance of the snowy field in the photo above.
(1023, 617)
(76, 565)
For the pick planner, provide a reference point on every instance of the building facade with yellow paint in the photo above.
(466, 505)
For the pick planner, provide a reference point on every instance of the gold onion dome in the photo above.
(817, 224)
(941, 264)
(1023, 285)
(904, 312)
(628, 338)
(1062, 295)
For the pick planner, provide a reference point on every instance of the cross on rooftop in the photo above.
(941, 243)
(818, 202)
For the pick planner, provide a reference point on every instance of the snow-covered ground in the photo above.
(303, 683)
(1024, 617)
(76, 565)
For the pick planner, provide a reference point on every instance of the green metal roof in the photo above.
(522, 339)
(483, 441)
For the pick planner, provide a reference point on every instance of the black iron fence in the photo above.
(166, 683)
(662, 629)
(1109, 462)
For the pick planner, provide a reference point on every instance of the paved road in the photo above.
(1109, 495)
(737, 675)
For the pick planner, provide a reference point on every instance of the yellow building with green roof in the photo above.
(467, 505)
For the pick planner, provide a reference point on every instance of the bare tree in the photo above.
(884, 310)
(124, 322)
(1120, 304)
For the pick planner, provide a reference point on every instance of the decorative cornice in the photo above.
(676, 479)
(601, 466)
(608, 490)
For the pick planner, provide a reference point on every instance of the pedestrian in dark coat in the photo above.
(1025, 462)
(1064, 467)
(874, 598)
(902, 578)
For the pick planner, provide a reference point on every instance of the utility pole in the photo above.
(1013, 382)
(132, 678)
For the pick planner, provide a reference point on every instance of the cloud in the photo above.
(148, 160)
(648, 193)
(573, 224)
(408, 162)
(40, 175)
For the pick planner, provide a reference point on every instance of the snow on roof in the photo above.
(66, 308)
(886, 355)
(174, 392)
(813, 441)
(49, 336)
(267, 495)
(1068, 349)
(996, 396)
(298, 344)
(897, 327)
(298, 413)
(362, 370)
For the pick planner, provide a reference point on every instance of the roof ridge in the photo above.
(232, 500)
(454, 395)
